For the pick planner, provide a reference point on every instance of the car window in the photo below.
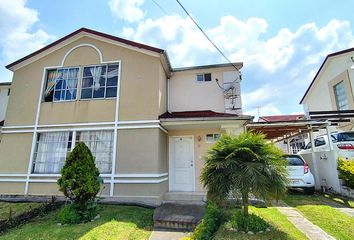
(345, 136)
(308, 146)
(320, 142)
(294, 161)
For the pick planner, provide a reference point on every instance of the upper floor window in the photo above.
(99, 81)
(212, 137)
(61, 84)
(340, 96)
(205, 77)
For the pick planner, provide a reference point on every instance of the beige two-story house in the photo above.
(147, 124)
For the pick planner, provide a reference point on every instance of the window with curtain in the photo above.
(100, 81)
(51, 151)
(61, 84)
(340, 96)
(101, 146)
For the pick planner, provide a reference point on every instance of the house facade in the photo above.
(148, 125)
(5, 89)
(332, 87)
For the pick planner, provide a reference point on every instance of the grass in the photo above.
(284, 229)
(321, 211)
(116, 222)
(17, 208)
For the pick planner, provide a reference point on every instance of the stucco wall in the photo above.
(15, 152)
(141, 87)
(319, 97)
(3, 101)
(187, 94)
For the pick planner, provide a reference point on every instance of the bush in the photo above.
(211, 222)
(69, 215)
(346, 172)
(251, 222)
(80, 182)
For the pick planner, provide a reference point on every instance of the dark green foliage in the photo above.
(27, 216)
(69, 215)
(244, 164)
(211, 222)
(346, 172)
(80, 181)
(247, 223)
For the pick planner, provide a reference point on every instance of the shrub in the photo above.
(251, 222)
(211, 222)
(80, 182)
(69, 215)
(346, 172)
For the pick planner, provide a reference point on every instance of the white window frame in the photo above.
(203, 75)
(105, 87)
(216, 137)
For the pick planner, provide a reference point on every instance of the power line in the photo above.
(158, 5)
(216, 47)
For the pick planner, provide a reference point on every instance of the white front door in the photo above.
(181, 164)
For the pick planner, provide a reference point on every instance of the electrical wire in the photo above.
(207, 37)
(158, 5)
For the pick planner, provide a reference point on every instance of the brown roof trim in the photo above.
(5, 83)
(319, 70)
(238, 64)
(111, 37)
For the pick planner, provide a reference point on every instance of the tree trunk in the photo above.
(245, 203)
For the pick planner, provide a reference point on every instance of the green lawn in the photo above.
(283, 228)
(17, 208)
(116, 222)
(321, 211)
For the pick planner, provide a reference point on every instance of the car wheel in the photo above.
(309, 190)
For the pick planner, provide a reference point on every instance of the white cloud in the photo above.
(128, 10)
(266, 110)
(17, 37)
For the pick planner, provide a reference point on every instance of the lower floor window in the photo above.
(51, 151)
(101, 146)
(52, 148)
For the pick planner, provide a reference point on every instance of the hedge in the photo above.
(346, 172)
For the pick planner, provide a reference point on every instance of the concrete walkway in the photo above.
(348, 211)
(311, 230)
(162, 234)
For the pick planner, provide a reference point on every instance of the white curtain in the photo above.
(71, 81)
(51, 152)
(101, 146)
(96, 74)
(53, 76)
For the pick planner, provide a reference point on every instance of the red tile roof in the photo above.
(281, 118)
(196, 114)
(319, 70)
(111, 37)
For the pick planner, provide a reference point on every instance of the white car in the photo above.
(300, 175)
(343, 143)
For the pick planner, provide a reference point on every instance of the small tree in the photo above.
(79, 179)
(247, 164)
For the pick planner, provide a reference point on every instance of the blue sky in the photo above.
(282, 43)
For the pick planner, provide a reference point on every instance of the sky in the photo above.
(281, 43)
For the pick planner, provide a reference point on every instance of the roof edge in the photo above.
(322, 65)
(90, 31)
(220, 65)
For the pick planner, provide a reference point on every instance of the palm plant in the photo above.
(248, 164)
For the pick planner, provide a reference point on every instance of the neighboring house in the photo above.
(5, 88)
(296, 143)
(332, 87)
(148, 125)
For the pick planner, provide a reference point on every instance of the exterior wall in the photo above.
(321, 95)
(200, 149)
(142, 89)
(3, 100)
(187, 94)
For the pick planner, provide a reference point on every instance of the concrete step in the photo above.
(178, 216)
(185, 197)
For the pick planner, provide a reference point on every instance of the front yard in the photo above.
(16, 208)
(116, 222)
